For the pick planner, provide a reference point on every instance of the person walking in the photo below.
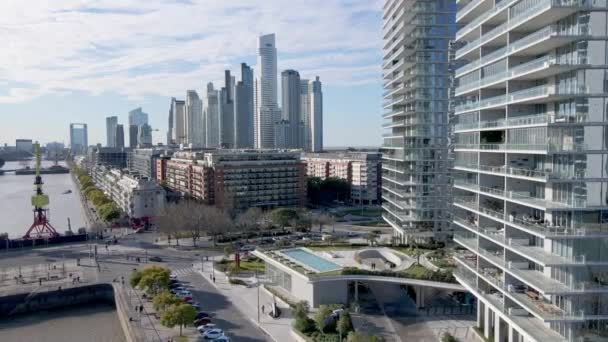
(263, 308)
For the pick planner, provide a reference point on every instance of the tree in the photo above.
(282, 216)
(322, 220)
(301, 320)
(108, 212)
(154, 279)
(180, 315)
(344, 325)
(321, 317)
(172, 220)
(164, 300)
(218, 223)
(371, 238)
(135, 278)
(355, 336)
(249, 221)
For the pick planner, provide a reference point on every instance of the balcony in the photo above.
(527, 120)
(505, 171)
(477, 21)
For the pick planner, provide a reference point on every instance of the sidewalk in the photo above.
(246, 299)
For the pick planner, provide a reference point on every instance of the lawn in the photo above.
(417, 272)
(246, 265)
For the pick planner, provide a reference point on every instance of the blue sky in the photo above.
(80, 61)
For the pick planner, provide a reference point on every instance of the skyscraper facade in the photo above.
(530, 167)
(305, 113)
(243, 102)
(111, 123)
(291, 110)
(212, 117)
(178, 114)
(120, 136)
(265, 87)
(315, 116)
(193, 122)
(415, 69)
(170, 140)
(133, 133)
(79, 138)
(137, 117)
(227, 122)
(144, 136)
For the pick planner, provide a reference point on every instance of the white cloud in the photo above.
(138, 47)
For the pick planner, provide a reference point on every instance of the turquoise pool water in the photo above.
(311, 260)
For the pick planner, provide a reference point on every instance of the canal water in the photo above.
(15, 207)
(95, 323)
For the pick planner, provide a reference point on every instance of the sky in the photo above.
(67, 61)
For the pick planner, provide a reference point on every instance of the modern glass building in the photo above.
(417, 37)
(531, 167)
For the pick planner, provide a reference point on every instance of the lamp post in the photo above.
(258, 285)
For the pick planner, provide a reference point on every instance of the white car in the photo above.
(206, 327)
(173, 276)
(213, 334)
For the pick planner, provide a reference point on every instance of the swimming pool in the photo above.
(311, 260)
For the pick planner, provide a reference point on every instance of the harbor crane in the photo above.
(41, 226)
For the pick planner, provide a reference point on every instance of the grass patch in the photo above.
(180, 339)
(418, 272)
(246, 265)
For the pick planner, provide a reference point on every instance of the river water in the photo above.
(94, 323)
(16, 211)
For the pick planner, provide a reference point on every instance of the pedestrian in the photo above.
(141, 309)
(263, 308)
(40, 281)
(214, 279)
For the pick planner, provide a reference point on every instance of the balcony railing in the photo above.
(504, 170)
(515, 121)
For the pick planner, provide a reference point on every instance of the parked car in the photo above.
(247, 248)
(203, 328)
(183, 293)
(202, 321)
(202, 315)
(156, 259)
(213, 334)
(223, 338)
(173, 276)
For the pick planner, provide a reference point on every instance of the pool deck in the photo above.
(314, 255)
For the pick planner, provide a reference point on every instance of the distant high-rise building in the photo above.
(243, 103)
(305, 114)
(194, 119)
(314, 121)
(133, 133)
(291, 97)
(170, 140)
(120, 136)
(79, 139)
(144, 136)
(24, 145)
(227, 121)
(111, 123)
(212, 117)
(178, 116)
(137, 117)
(265, 88)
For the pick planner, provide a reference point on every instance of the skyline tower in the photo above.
(212, 117)
(111, 123)
(265, 87)
(243, 102)
(193, 122)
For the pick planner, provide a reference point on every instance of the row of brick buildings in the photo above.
(236, 178)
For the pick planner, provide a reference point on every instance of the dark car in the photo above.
(156, 259)
(202, 315)
(202, 321)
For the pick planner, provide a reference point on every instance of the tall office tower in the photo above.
(178, 114)
(111, 123)
(133, 133)
(243, 109)
(144, 136)
(291, 97)
(315, 124)
(79, 138)
(415, 183)
(137, 117)
(267, 110)
(530, 178)
(170, 120)
(227, 122)
(212, 117)
(120, 136)
(194, 120)
(305, 113)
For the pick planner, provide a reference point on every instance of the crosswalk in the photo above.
(182, 271)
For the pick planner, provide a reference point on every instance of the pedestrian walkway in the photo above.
(182, 271)
(246, 300)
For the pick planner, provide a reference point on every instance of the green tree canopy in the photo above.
(180, 315)
(164, 300)
(283, 216)
(321, 317)
(154, 279)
